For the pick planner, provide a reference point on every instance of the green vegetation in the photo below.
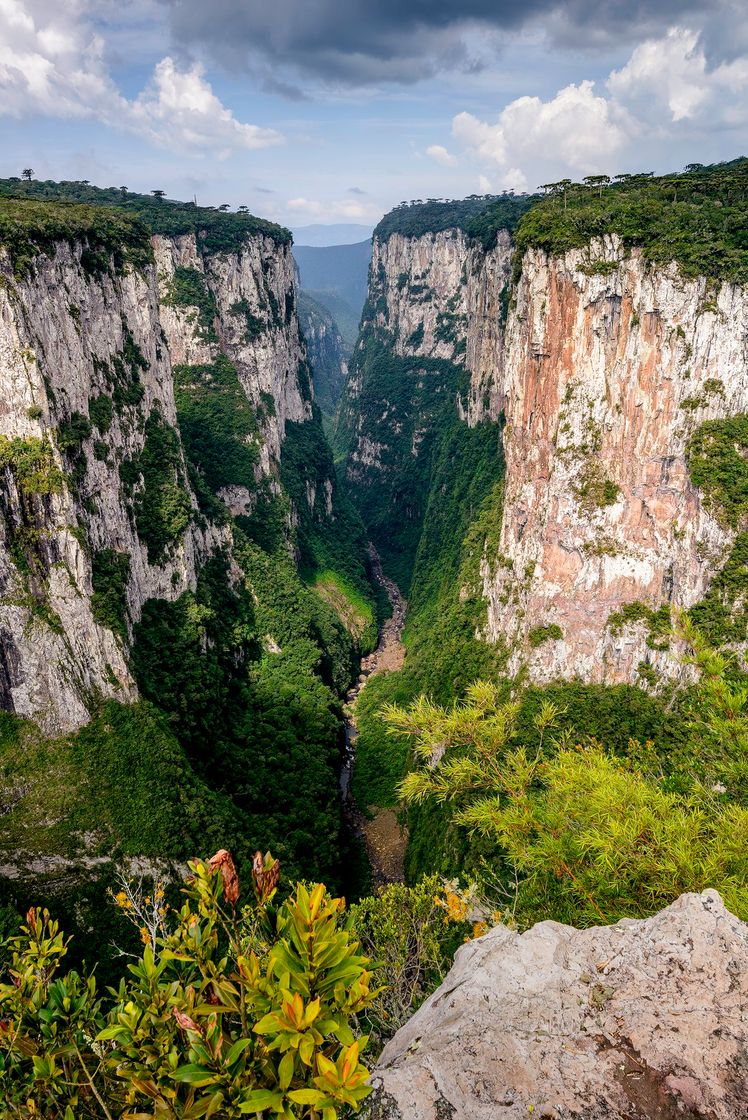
(101, 412)
(716, 457)
(717, 462)
(189, 288)
(327, 353)
(322, 541)
(122, 376)
(593, 489)
(154, 481)
(354, 610)
(109, 240)
(656, 620)
(111, 572)
(223, 1014)
(480, 216)
(696, 218)
(217, 231)
(410, 933)
(218, 424)
(586, 836)
(541, 634)
(32, 464)
(253, 326)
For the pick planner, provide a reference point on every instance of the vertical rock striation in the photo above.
(98, 511)
(610, 366)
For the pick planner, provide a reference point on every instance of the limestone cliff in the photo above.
(100, 512)
(429, 357)
(86, 376)
(610, 366)
(328, 353)
(604, 365)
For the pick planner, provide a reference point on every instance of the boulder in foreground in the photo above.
(643, 1020)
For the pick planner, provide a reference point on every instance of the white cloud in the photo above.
(673, 72)
(179, 110)
(484, 184)
(52, 63)
(441, 155)
(577, 128)
(514, 180)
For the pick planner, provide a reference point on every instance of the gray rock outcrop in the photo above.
(643, 1019)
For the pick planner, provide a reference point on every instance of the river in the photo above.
(379, 829)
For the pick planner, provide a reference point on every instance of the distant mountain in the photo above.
(345, 233)
(336, 276)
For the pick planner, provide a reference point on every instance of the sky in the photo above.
(329, 111)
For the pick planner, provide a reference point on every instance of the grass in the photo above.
(353, 609)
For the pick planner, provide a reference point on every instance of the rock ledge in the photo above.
(643, 1019)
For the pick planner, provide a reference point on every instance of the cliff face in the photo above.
(99, 514)
(429, 358)
(86, 378)
(242, 305)
(610, 366)
(328, 353)
(604, 366)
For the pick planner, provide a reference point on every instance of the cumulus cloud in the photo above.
(577, 127)
(52, 63)
(179, 110)
(441, 155)
(673, 72)
(333, 210)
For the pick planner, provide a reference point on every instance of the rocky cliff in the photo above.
(640, 1019)
(429, 357)
(328, 353)
(611, 365)
(86, 392)
(100, 514)
(606, 365)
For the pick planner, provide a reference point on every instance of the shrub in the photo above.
(590, 837)
(234, 1014)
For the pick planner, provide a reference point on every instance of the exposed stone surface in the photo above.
(327, 351)
(62, 332)
(437, 296)
(259, 279)
(606, 366)
(643, 1020)
(606, 378)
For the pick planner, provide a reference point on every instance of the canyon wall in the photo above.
(98, 501)
(610, 366)
(429, 357)
(603, 365)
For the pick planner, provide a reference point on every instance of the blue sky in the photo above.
(325, 111)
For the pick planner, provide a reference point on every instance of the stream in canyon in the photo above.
(385, 839)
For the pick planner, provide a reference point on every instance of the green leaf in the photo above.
(306, 1096)
(260, 1099)
(195, 1075)
(237, 1050)
(286, 1068)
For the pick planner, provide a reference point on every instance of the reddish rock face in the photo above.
(606, 376)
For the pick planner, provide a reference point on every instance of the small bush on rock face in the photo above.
(235, 1013)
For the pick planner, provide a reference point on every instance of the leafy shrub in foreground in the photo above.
(232, 1015)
